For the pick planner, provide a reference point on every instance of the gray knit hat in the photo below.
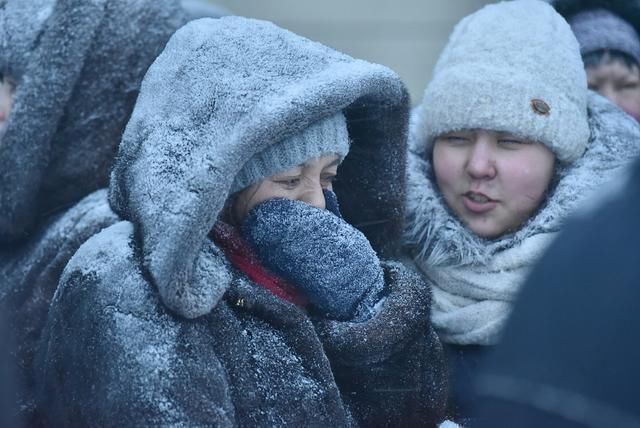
(598, 29)
(327, 136)
(512, 67)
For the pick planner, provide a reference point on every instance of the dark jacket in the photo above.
(151, 325)
(569, 356)
(78, 66)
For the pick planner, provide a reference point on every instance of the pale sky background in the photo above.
(405, 35)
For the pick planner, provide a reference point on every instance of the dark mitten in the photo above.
(331, 202)
(326, 258)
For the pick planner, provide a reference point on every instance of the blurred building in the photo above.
(405, 35)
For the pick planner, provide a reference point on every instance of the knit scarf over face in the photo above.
(476, 280)
(241, 255)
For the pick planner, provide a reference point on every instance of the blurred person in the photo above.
(505, 144)
(607, 31)
(71, 70)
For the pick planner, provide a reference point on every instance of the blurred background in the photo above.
(405, 35)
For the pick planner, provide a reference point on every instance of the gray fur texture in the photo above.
(78, 64)
(78, 67)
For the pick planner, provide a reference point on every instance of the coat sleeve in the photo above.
(113, 355)
(390, 369)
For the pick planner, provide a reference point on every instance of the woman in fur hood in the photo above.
(608, 32)
(504, 146)
(71, 70)
(233, 292)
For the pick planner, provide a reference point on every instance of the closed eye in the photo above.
(630, 85)
(328, 180)
(454, 139)
(288, 182)
(511, 141)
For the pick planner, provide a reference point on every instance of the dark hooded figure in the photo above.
(232, 292)
(609, 35)
(569, 357)
(71, 70)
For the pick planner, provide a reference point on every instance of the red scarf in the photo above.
(242, 257)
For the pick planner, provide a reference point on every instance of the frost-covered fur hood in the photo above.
(222, 90)
(629, 10)
(78, 66)
(439, 239)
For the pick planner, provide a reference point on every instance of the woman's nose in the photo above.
(314, 196)
(481, 162)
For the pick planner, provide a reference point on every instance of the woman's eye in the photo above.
(328, 180)
(630, 86)
(290, 182)
(454, 139)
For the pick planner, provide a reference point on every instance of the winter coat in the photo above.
(475, 281)
(625, 9)
(151, 325)
(75, 92)
(569, 355)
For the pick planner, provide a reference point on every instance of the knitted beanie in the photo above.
(512, 67)
(327, 136)
(598, 29)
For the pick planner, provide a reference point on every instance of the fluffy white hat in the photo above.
(513, 67)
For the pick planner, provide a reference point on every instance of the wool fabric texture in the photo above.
(600, 29)
(524, 76)
(325, 257)
(327, 136)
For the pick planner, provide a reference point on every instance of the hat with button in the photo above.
(511, 67)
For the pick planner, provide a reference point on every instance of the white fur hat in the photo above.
(513, 67)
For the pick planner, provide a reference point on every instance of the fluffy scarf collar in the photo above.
(474, 280)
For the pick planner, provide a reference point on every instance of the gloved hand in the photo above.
(326, 258)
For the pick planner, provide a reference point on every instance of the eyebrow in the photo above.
(334, 163)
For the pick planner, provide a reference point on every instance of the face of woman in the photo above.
(304, 182)
(617, 82)
(492, 181)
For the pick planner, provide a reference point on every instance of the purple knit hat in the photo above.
(598, 29)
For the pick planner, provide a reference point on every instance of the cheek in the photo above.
(527, 183)
(446, 168)
(631, 104)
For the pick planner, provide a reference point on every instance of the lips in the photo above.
(478, 203)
